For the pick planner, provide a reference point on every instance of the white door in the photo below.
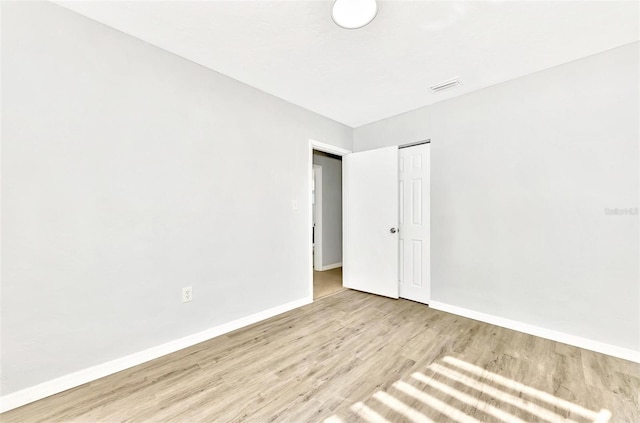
(370, 218)
(414, 272)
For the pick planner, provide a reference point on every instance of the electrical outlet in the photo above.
(187, 294)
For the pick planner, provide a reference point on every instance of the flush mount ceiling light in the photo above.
(353, 14)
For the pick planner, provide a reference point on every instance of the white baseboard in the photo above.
(577, 341)
(45, 389)
(330, 266)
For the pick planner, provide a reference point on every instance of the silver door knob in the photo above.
(393, 230)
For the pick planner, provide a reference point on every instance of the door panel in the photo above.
(414, 274)
(370, 207)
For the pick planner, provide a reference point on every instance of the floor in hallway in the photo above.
(327, 282)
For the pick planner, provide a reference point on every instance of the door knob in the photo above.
(393, 230)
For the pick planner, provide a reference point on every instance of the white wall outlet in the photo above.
(294, 205)
(187, 294)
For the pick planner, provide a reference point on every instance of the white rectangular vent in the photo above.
(445, 85)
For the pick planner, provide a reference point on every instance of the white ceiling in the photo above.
(293, 50)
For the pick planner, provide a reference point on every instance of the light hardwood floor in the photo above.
(327, 282)
(358, 357)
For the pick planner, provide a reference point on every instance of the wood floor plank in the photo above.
(350, 356)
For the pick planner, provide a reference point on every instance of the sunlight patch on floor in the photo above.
(400, 407)
(527, 406)
(383, 407)
(436, 404)
(532, 392)
(366, 413)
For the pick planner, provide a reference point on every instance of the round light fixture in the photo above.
(353, 14)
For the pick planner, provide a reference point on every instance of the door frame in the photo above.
(326, 148)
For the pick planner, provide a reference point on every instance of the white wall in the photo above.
(331, 207)
(128, 173)
(522, 173)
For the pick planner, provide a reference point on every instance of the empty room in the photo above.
(435, 217)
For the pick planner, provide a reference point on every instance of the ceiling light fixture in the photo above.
(353, 14)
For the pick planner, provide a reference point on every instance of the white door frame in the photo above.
(327, 148)
(317, 205)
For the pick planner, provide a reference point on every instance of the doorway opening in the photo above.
(326, 199)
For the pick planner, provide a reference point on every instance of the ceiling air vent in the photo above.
(451, 83)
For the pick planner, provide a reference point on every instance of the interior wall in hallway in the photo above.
(331, 207)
